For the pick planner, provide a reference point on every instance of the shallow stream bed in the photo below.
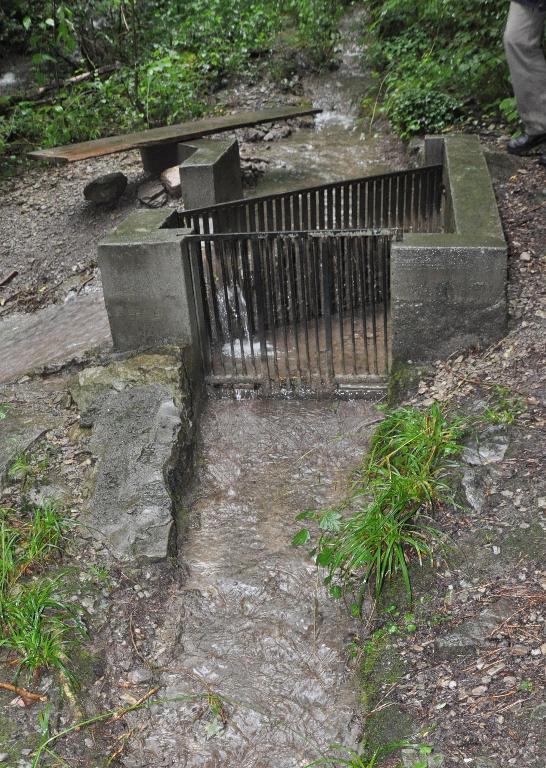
(252, 621)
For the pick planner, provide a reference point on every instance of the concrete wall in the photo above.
(449, 290)
(147, 283)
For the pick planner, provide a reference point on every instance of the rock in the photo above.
(479, 690)
(525, 256)
(140, 675)
(474, 486)
(489, 448)
(278, 132)
(3, 756)
(161, 367)
(106, 189)
(170, 178)
(18, 433)
(134, 435)
(412, 757)
(473, 632)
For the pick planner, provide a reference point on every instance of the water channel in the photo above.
(254, 623)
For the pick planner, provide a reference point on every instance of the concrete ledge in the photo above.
(147, 283)
(449, 289)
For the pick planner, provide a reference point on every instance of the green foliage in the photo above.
(502, 406)
(343, 757)
(384, 521)
(168, 58)
(442, 62)
(38, 624)
(4, 407)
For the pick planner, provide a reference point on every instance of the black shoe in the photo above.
(524, 144)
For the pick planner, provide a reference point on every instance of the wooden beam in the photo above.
(192, 129)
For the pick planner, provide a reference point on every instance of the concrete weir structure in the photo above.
(448, 289)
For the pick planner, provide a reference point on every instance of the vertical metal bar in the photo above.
(231, 246)
(278, 215)
(281, 255)
(407, 201)
(270, 296)
(314, 244)
(354, 205)
(346, 206)
(329, 208)
(195, 256)
(296, 211)
(363, 256)
(337, 264)
(261, 308)
(305, 210)
(291, 256)
(350, 246)
(321, 208)
(337, 197)
(243, 246)
(313, 210)
(303, 253)
(220, 255)
(385, 250)
(287, 224)
(372, 293)
(326, 262)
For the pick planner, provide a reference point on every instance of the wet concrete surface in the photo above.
(253, 622)
(52, 335)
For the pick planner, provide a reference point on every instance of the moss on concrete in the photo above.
(381, 666)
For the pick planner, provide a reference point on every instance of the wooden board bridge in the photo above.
(169, 134)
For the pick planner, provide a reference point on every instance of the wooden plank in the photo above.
(192, 129)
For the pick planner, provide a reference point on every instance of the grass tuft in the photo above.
(384, 522)
(37, 622)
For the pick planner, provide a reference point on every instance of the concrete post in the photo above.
(449, 289)
(147, 284)
(211, 174)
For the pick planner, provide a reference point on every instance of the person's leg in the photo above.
(523, 45)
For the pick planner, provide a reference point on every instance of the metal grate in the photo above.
(293, 310)
(409, 200)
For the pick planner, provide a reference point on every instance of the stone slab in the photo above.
(134, 435)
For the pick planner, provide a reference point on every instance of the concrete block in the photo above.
(449, 290)
(147, 285)
(211, 174)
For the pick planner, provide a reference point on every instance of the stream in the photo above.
(252, 622)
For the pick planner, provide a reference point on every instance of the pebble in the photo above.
(3, 756)
(525, 256)
(479, 690)
(520, 650)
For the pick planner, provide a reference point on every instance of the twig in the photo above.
(27, 696)
(125, 711)
(8, 278)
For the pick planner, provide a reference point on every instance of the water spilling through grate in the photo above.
(305, 311)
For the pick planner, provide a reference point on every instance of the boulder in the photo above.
(106, 189)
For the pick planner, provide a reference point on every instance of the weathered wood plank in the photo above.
(192, 129)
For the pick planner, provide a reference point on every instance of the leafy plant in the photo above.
(503, 407)
(21, 467)
(440, 65)
(343, 757)
(4, 407)
(383, 522)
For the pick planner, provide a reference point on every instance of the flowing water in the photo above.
(340, 145)
(253, 622)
